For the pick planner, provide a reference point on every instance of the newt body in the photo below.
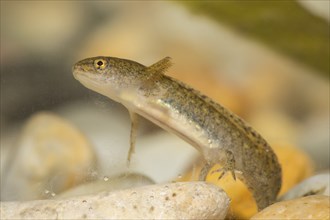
(221, 136)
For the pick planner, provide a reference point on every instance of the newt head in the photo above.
(117, 78)
(92, 70)
(109, 76)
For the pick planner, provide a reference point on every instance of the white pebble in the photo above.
(182, 200)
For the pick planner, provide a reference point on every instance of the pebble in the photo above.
(309, 207)
(315, 185)
(51, 156)
(283, 128)
(58, 21)
(118, 182)
(189, 200)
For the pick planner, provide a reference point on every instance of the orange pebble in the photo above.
(296, 166)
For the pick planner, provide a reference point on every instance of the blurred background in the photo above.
(267, 61)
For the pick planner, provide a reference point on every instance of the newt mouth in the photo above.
(77, 70)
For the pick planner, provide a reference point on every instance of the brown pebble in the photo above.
(309, 207)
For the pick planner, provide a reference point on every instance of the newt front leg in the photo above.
(134, 129)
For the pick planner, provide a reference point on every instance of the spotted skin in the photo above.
(220, 135)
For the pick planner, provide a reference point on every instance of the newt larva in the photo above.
(218, 134)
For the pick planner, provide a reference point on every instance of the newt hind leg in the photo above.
(205, 170)
(229, 166)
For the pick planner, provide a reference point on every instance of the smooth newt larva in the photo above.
(221, 136)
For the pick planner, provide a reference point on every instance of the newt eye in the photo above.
(100, 64)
